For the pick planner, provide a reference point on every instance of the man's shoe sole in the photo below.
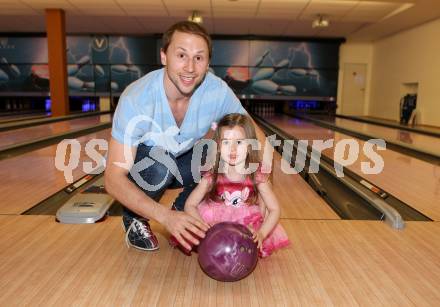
(144, 249)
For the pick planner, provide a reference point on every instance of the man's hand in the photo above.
(184, 226)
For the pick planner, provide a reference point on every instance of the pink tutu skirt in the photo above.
(213, 213)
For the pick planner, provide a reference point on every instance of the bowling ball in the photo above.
(228, 253)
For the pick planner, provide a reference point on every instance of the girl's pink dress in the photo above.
(233, 208)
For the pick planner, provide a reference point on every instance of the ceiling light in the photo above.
(195, 17)
(399, 10)
(320, 22)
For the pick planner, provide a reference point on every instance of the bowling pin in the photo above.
(315, 77)
(89, 85)
(3, 76)
(119, 69)
(265, 86)
(14, 71)
(282, 63)
(114, 86)
(261, 59)
(297, 72)
(73, 69)
(132, 68)
(84, 60)
(288, 89)
(313, 73)
(263, 73)
(77, 84)
(99, 71)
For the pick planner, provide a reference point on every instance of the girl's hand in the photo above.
(258, 237)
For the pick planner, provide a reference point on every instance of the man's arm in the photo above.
(120, 187)
(196, 197)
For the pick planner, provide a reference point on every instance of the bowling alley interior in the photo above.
(346, 93)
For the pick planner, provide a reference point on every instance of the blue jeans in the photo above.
(154, 177)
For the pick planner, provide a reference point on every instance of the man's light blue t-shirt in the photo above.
(143, 114)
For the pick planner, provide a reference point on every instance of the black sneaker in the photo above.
(138, 234)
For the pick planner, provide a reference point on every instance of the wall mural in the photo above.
(103, 65)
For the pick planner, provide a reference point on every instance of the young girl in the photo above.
(227, 193)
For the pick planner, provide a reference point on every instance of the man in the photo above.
(158, 119)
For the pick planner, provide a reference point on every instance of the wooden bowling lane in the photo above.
(297, 199)
(28, 179)
(29, 134)
(429, 130)
(21, 117)
(424, 143)
(329, 263)
(413, 181)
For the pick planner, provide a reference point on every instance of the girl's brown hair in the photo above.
(230, 121)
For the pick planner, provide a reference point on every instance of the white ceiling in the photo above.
(357, 20)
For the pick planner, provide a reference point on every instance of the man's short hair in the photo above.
(186, 27)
